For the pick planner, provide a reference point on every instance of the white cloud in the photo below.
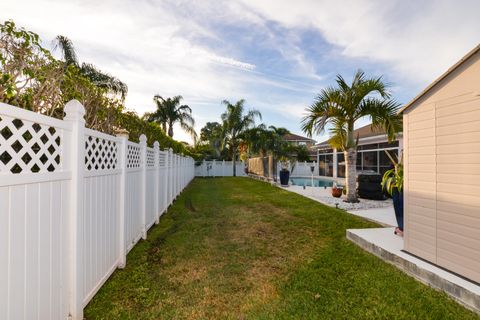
(143, 43)
(418, 39)
(176, 47)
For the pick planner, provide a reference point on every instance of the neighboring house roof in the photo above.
(296, 137)
(362, 132)
(368, 131)
(443, 76)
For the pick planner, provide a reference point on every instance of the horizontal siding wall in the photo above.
(442, 184)
(458, 185)
(420, 182)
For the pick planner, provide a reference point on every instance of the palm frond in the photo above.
(104, 80)
(384, 115)
(68, 50)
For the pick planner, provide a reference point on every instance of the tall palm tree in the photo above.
(342, 106)
(235, 122)
(98, 78)
(169, 111)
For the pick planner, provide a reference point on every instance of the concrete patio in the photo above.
(383, 243)
(389, 247)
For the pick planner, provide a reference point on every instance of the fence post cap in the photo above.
(143, 139)
(170, 150)
(122, 133)
(156, 145)
(74, 110)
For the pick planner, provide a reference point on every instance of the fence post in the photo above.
(175, 176)
(165, 180)
(183, 173)
(74, 113)
(143, 187)
(170, 176)
(177, 173)
(122, 156)
(156, 150)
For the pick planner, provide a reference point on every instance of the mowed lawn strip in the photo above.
(236, 248)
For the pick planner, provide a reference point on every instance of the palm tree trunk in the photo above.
(351, 174)
(170, 130)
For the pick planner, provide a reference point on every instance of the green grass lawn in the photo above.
(235, 248)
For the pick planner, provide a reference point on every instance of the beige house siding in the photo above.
(420, 186)
(442, 173)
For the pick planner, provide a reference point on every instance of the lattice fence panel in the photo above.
(27, 146)
(133, 156)
(150, 158)
(100, 154)
(162, 157)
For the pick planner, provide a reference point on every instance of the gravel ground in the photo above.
(325, 196)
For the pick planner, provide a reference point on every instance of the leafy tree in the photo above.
(211, 131)
(31, 78)
(169, 111)
(341, 106)
(234, 123)
(211, 134)
(137, 126)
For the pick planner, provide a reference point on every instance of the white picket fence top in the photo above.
(73, 202)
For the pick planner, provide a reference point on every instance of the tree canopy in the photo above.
(31, 78)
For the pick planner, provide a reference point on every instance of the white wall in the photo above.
(82, 200)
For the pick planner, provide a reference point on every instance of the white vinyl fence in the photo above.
(302, 169)
(216, 168)
(73, 202)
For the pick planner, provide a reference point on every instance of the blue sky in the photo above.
(276, 54)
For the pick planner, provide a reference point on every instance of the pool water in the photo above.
(317, 182)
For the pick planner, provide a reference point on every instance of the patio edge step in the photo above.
(462, 295)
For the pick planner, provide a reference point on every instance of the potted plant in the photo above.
(392, 183)
(337, 191)
(284, 172)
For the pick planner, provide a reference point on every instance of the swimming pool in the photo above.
(317, 182)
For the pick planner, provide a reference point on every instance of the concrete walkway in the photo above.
(383, 216)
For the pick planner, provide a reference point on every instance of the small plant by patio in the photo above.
(392, 182)
(250, 251)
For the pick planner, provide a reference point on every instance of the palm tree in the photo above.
(98, 78)
(341, 106)
(169, 111)
(235, 123)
